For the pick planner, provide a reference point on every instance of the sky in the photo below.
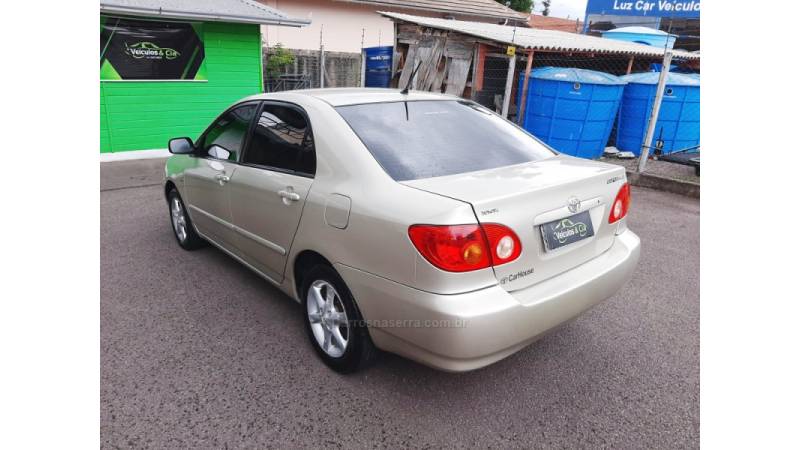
(563, 8)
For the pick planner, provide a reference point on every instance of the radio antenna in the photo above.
(411, 79)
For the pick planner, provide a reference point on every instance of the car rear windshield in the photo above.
(423, 139)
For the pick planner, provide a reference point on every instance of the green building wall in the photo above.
(144, 115)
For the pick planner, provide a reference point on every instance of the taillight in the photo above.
(504, 243)
(461, 248)
(455, 248)
(621, 204)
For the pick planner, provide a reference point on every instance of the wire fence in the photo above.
(307, 69)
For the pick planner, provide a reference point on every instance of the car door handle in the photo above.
(222, 178)
(293, 196)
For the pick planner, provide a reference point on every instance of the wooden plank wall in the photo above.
(444, 59)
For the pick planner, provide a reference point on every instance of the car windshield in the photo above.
(423, 139)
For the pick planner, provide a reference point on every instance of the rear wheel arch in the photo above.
(359, 349)
(303, 262)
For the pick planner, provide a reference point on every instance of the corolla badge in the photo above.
(574, 204)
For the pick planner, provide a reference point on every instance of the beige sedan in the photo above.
(417, 223)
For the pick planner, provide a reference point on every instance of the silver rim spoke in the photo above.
(329, 297)
(339, 339)
(339, 318)
(316, 291)
(328, 318)
(326, 345)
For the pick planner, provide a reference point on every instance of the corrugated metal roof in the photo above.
(538, 39)
(485, 8)
(236, 11)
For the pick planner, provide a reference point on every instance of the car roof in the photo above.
(354, 96)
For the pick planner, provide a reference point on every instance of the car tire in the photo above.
(333, 322)
(182, 226)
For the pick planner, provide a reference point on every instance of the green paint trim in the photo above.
(201, 74)
(189, 64)
(107, 72)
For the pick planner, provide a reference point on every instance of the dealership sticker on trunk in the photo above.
(567, 230)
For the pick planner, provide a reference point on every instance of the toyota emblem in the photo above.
(574, 204)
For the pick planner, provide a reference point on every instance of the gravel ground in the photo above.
(198, 352)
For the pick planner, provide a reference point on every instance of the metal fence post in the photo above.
(321, 66)
(651, 125)
(363, 67)
(363, 73)
(512, 61)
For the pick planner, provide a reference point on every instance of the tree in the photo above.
(278, 58)
(546, 10)
(525, 6)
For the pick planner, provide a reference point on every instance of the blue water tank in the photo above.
(642, 35)
(378, 66)
(678, 124)
(378, 78)
(572, 110)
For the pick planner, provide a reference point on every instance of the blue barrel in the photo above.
(642, 35)
(378, 78)
(378, 66)
(572, 110)
(678, 124)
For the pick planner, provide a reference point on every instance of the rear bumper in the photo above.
(468, 331)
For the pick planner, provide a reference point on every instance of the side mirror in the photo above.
(181, 146)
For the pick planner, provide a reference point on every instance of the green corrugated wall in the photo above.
(145, 115)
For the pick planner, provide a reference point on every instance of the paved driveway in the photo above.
(198, 352)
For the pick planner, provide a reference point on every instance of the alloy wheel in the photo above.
(178, 219)
(328, 318)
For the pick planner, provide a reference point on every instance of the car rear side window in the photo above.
(224, 140)
(282, 139)
(423, 139)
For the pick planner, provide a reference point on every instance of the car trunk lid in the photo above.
(525, 197)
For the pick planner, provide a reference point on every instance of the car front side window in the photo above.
(225, 139)
(283, 140)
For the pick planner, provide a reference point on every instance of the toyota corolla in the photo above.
(416, 223)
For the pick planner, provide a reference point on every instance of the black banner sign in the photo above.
(133, 49)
